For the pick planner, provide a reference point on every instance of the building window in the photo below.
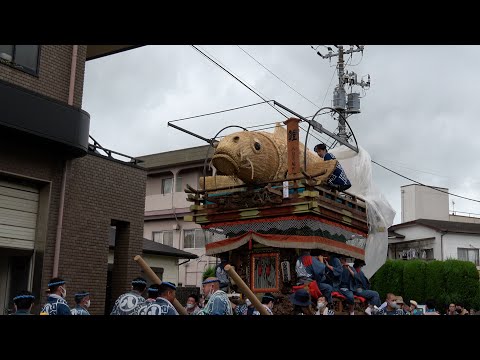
(265, 272)
(193, 239)
(167, 185)
(163, 237)
(22, 57)
(468, 255)
(409, 254)
(178, 184)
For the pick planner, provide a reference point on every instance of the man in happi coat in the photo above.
(130, 302)
(218, 301)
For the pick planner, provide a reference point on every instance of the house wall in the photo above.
(430, 238)
(168, 263)
(452, 241)
(155, 200)
(190, 273)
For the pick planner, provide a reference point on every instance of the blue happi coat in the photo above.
(128, 303)
(333, 276)
(161, 306)
(56, 305)
(361, 281)
(218, 304)
(314, 270)
(338, 176)
(78, 310)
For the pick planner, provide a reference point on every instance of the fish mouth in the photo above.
(225, 163)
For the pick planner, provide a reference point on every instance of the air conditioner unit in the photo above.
(176, 227)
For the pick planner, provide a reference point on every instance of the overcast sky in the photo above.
(419, 118)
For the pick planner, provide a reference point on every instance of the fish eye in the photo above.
(257, 146)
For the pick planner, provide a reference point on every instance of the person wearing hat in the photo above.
(302, 302)
(218, 301)
(363, 287)
(82, 299)
(163, 304)
(23, 303)
(402, 305)
(130, 302)
(414, 310)
(268, 300)
(152, 294)
(56, 304)
(338, 180)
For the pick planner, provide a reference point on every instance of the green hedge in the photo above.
(443, 281)
(461, 280)
(414, 280)
(435, 282)
(389, 278)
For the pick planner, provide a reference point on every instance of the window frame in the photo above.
(22, 68)
(162, 236)
(163, 185)
(477, 263)
(178, 182)
(205, 233)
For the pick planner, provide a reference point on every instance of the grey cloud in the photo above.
(421, 111)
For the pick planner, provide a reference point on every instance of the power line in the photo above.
(254, 126)
(248, 87)
(221, 111)
(418, 182)
(326, 93)
(236, 78)
(271, 72)
(402, 165)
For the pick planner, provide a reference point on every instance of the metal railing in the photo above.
(96, 146)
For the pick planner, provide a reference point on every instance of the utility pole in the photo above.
(345, 104)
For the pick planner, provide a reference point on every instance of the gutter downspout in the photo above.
(441, 243)
(71, 91)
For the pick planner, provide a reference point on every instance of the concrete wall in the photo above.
(421, 202)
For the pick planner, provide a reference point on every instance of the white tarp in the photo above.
(380, 214)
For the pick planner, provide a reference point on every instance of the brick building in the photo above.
(59, 196)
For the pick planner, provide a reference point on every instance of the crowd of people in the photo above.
(321, 280)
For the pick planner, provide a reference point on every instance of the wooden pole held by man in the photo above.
(245, 290)
(156, 280)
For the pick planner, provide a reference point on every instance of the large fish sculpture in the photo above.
(249, 157)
